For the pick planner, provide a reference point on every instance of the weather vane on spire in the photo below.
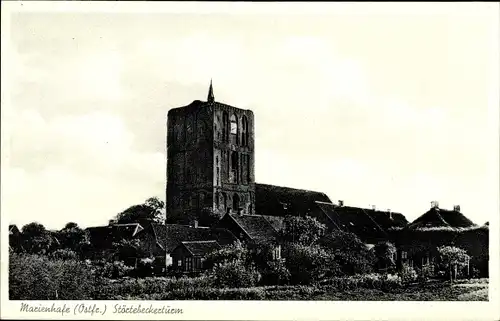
(210, 98)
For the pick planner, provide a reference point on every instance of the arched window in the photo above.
(244, 131)
(236, 202)
(225, 126)
(234, 125)
(234, 130)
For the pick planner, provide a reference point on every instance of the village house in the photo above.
(189, 256)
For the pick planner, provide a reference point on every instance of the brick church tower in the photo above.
(210, 160)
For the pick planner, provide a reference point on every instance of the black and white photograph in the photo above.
(250, 152)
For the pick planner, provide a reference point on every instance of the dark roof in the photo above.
(170, 235)
(257, 227)
(354, 219)
(201, 248)
(106, 235)
(387, 219)
(13, 229)
(436, 217)
(280, 201)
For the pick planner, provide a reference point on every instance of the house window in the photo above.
(404, 255)
(277, 252)
(179, 263)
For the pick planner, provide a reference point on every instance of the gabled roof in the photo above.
(281, 201)
(257, 227)
(437, 217)
(170, 235)
(13, 229)
(200, 248)
(105, 235)
(353, 219)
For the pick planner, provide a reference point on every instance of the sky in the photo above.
(373, 107)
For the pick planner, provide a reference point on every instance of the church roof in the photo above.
(275, 200)
(437, 217)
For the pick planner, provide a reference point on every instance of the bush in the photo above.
(371, 281)
(234, 274)
(307, 264)
(33, 277)
(228, 253)
(408, 274)
(129, 287)
(64, 254)
(276, 273)
(104, 269)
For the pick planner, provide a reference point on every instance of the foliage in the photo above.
(234, 274)
(303, 230)
(385, 253)
(151, 211)
(36, 239)
(111, 270)
(306, 263)
(452, 257)
(125, 249)
(74, 238)
(275, 273)
(34, 277)
(408, 274)
(229, 253)
(64, 254)
(349, 251)
(371, 281)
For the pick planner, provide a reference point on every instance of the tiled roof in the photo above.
(106, 235)
(170, 235)
(353, 219)
(280, 201)
(201, 248)
(436, 217)
(257, 227)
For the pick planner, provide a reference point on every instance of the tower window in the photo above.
(244, 131)
(234, 167)
(224, 200)
(216, 200)
(236, 202)
(234, 125)
(225, 125)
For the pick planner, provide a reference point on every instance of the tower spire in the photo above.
(210, 98)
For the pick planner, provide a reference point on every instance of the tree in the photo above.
(384, 252)
(151, 211)
(302, 230)
(229, 253)
(349, 251)
(36, 239)
(307, 264)
(452, 257)
(73, 238)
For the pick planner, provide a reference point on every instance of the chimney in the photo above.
(435, 204)
(240, 211)
(390, 213)
(195, 223)
(374, 207)
(341, 203)
(456, 208)
(111, 222)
